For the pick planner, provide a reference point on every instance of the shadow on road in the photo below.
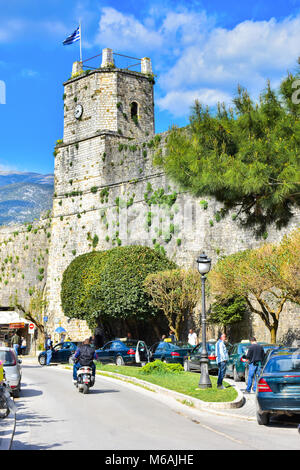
(98, 392)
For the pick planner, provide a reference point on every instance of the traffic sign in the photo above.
(31, 328)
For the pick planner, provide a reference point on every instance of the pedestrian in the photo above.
(129, 336)
(23, 345)
(49, 348)
(15, 342)
(172, 336)
(163, 337)
(222, 358)
(255, 356)
(192, 338)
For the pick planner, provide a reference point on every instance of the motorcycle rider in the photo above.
(84, 356)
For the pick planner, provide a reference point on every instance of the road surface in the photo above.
(53, 415)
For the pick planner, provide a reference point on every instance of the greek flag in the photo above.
(73, 37)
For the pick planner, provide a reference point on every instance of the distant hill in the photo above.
(24, 196)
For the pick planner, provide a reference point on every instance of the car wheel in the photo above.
(16, 393)
(263, 418)
(42, 360)
(119, 361)
(236, 376)
(186, 366)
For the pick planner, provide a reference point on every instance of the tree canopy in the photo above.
(175, 292)
(264, 277)
(246, 156)
(109, 284)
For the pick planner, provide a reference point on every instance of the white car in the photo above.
(12, 369)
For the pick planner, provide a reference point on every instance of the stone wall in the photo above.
(110, 206)
(24, 253)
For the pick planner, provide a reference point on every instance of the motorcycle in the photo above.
(85, 379)
(6, 403)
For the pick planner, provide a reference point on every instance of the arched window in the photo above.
(134, 111)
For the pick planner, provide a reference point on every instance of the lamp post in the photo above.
(204, 264)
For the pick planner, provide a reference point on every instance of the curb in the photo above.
(187, 399)
(7, 431)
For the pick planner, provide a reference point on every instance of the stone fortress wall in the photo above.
(108, 193)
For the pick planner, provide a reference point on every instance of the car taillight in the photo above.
(131, 351)
(263, 386)
(212, 358)
(243, 360)
(175, 354)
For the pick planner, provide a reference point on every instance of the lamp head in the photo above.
(204, 264)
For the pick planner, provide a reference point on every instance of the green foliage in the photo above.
(109, 284)
(227, 311)
(159, 367)
(246, 157)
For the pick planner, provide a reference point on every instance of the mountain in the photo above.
(24, 196)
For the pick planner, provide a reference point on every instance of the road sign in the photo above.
(31, 328)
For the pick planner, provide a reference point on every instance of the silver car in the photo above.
(12, 369)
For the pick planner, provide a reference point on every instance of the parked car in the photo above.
(13, 370)
(236, 363)
(267, 349)
(169, 352)
(62, 352)
(124, 352)
(278, 388)
(192, 361)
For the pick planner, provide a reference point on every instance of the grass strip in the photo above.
(182, 382)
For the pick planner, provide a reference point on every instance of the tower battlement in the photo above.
(109, 98)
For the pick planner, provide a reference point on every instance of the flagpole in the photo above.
(80, 42)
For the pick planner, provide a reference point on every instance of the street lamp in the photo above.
(204, 264)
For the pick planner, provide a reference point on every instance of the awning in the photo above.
(8, 317)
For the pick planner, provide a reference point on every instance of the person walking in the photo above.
(49, 348)
(23, 345)
(255, 356)
(15, 342)
(192, 338)
(222, 358)
(172, 336)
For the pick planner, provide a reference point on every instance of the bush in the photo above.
(109, 284)
(159, 367)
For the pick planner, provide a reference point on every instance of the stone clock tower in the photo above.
(104, 109)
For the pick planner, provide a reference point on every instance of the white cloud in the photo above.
(28, 73)
(196, 59)
(124, 32)
(179, 102)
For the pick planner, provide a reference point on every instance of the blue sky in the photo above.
(199, 49)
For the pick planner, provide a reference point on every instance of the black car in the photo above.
(61, 352)
(123, 352)
(169, 352)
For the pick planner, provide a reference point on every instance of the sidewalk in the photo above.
(7, 430)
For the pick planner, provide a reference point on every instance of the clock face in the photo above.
(78, 111)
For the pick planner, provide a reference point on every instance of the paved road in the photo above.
(53, 415)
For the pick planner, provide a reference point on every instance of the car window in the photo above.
(116, 345)
(243, 348)
(284, 362)
(58, 347)
(130, 343)
(107, 346)
(7, 358)
(161, 346)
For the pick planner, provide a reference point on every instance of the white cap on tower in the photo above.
(107, 58)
